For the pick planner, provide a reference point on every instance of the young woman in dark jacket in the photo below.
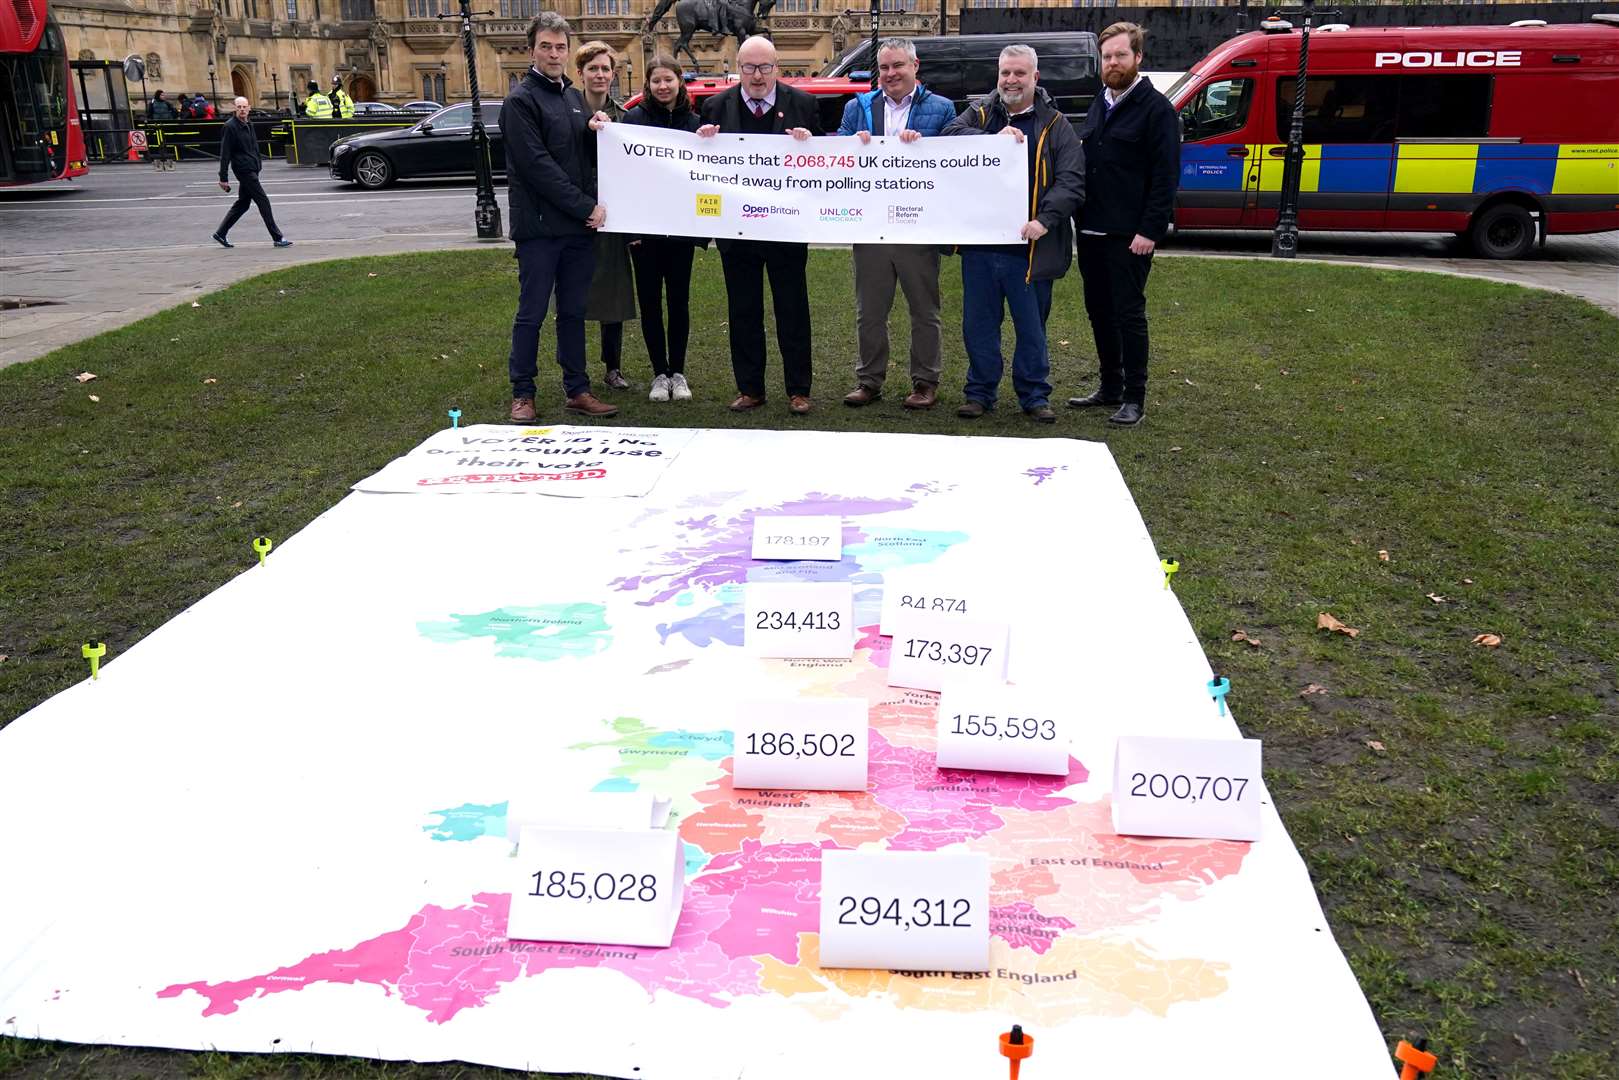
(665, 261)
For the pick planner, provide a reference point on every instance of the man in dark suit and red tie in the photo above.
(760, 105)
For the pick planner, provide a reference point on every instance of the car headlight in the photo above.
(340, 149)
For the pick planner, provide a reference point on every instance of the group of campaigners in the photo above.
(1112, 181)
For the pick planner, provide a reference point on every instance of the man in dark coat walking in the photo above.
(239, 152)
(551, 188)
(1132, 143)
(760, 105)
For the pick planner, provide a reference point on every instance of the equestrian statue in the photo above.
(725, 18)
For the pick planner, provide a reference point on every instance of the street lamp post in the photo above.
(486, 215)
(275, 84)
(1284, 242)
(213, 88)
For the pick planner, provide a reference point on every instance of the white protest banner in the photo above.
(905, 910)
(801, 744)
(814, 620)
(931, 591)
(1198, 788)
(798, 536)
(554, 460)
(597, 886)
(969, 190)
(985, 724)
(928, 647)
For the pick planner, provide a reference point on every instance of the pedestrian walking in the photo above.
(239, 153)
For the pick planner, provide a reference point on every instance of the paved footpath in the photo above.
(128, 241)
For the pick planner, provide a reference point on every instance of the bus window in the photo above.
(1341, 108)
(1219, 108)
(1444, 106)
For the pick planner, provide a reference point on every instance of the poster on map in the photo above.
(280, 821)
(827, 190)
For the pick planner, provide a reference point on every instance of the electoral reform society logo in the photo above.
(842, 215)
(752, 211)
(904, 215)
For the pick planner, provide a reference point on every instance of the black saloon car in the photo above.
(440, 145)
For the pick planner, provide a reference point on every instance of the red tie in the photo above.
(758, 110)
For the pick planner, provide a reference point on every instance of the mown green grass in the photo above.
(1301, 418)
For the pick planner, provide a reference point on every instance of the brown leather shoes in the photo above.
(588, 404)
(746, 403)
(522, 410)
(799, 405)
(861, 395)
(925, 396)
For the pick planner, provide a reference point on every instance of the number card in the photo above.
(989, 725)
(814, 620)
(1207, 788)
(805, 744)
(905, 910)
(929, 648)
(915, 593)
(795, 536)
(597, 886)
(585, 810)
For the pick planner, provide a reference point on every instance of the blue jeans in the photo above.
(991, 284)
(564, 265)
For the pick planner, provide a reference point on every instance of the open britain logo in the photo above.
(708, 206)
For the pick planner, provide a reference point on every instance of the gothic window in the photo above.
(292, 10)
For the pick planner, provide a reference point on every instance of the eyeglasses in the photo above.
(758, 69)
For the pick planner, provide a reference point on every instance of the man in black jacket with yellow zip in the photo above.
(551, 190)
(1132, 143)
(1018, 277)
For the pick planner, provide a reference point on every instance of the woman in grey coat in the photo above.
(612, 289)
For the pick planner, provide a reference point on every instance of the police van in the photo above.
(1502, 134)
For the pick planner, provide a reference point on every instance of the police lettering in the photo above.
(1457, 59)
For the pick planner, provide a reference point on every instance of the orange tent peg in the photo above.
(1015, 1046)
(1417, 1061)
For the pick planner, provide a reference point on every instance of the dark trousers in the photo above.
(1116, 301)
(560, 264)
(664, 265)
(248, 192)
(612, 345)
(746, 262)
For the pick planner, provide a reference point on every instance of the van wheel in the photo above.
(1504, 231)
(373, 171)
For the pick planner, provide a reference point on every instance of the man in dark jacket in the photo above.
(239, 152)
(551, 189)
(161, 109)
(1132, 162)
(759, 105)
(1018, 277)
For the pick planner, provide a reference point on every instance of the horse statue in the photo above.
(725, 18)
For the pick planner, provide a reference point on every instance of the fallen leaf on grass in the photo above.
(1436, 598)
(237, 505)
(210, 380)
(1189, 382)
(1467, 581)
(1373, 744)
(443, 356)
(1382, 555)
(1312, 689)
(195, 304)
(85, 376)
(1062, 343)
(4, 658)
(370, 275)
(1324, 621)
(1489, 641)
(1242, 636)
(94, 398)
(1175, 449)
(1572, 971)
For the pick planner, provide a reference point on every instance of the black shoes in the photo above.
(971, 410)
(1093, 400)
(1129, 415)
(283, 242)
(1041, 414)
(222, 242)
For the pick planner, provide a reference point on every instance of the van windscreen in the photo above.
(1382, 108)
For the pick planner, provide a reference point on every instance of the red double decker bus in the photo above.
(39, 126)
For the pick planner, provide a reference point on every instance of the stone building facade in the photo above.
(398, 51)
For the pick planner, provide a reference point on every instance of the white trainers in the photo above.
(678, 388)
(660, 389)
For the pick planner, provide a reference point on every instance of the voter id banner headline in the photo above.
(830, 190)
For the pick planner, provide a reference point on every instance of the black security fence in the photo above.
(1178, 37)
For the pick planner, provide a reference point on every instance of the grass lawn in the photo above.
(1456, 804)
